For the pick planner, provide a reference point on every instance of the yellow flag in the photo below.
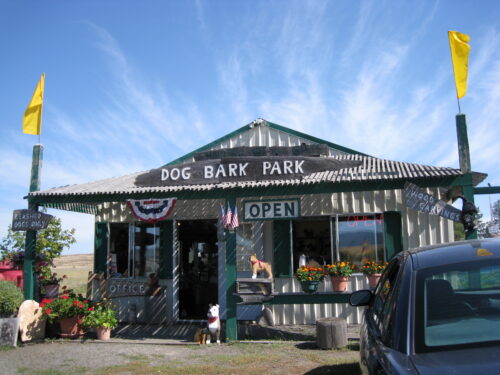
(460, 58)
(32, 121)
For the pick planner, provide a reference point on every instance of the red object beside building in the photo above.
(8, 272)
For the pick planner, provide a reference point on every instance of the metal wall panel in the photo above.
(419, 229)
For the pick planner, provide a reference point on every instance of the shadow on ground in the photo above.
(341, 369)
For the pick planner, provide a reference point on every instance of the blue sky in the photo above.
(131, 85)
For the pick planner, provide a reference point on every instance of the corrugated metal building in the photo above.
(351, 209)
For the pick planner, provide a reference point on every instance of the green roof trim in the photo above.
(274, 126)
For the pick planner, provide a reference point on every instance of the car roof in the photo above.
(455, 252)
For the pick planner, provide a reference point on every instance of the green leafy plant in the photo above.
(101, 315)
(309, 274)
(11, 298)
(371, 267)
(66, 305)
(341, 269)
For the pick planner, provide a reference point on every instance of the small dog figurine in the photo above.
(258, 266)
(213, 324)
(200, 336)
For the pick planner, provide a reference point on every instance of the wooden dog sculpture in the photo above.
(212, 331)
(259, 266)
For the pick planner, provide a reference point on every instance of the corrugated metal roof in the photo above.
(371, 169)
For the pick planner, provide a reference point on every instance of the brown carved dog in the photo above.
(200, 336)
(259, 266)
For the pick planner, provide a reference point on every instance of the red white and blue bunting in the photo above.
(152, 210)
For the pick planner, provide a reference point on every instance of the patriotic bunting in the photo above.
(152, 210)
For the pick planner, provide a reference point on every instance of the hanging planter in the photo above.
(309, 278)
(309, 286)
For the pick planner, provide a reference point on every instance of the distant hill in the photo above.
(76, 267)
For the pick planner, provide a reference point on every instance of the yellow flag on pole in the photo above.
(32, 121)
(460, 59)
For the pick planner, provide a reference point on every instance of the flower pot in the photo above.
(373, 279)
(339, 283)
(70, 327)
(309, 286)
(51, 290)
(103, 333)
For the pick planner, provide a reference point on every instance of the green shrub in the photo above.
(11, 298)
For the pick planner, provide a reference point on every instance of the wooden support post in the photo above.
(30, 244)
(231, 299)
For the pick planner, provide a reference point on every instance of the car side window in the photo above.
(382, 305)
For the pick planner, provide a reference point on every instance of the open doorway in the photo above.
(198, 276)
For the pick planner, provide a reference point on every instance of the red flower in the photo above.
(85, 301)
(80, 321)
(91, 309)
(48, 311)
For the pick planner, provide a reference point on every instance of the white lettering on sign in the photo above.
(268, 210)
(176, 173)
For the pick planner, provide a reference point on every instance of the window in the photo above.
(354, 238)
(459, 305)
(133, 249)
(312, 238)
(360, 238)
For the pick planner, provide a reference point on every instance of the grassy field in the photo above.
(76, 268)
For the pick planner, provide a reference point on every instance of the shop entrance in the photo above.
(198, 276)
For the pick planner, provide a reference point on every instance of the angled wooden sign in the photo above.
(416, 199)
(245, 168)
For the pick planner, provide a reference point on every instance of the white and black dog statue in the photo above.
(213, 324)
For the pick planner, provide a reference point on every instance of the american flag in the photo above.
(228, 218)
(234, 220)
(222, 218)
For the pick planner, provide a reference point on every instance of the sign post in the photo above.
(29, 254)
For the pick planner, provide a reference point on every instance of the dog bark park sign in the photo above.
(30, 220)
(246, 168)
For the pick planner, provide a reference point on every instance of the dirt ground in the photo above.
(94, 357)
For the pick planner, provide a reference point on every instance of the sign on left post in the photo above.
(30, 220)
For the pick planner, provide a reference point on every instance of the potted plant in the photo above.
(68, 309)
(103, 318)
(11, 298)
(339, 274)
(309, 278)
(373, 271)
(50, 282)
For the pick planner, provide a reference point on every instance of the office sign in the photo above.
(272, 209)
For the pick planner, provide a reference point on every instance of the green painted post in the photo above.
(231, 299)
(30, 244)
(465, 164)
